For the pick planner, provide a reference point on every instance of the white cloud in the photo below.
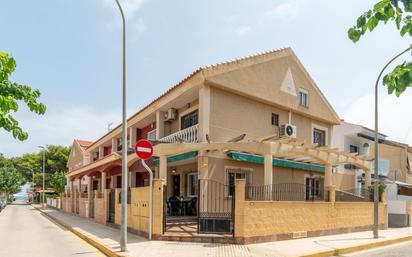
(242, 30)
(395, 114)
(131, 10)
(58, 126)
(284, 11)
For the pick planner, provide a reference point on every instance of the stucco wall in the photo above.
(280, 174)
(82, 207)
(233, 115)
(397, 157)
(262, 80)
(100, 209)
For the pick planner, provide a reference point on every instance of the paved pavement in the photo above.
(397, 250)
(139, 247)
(25, 232)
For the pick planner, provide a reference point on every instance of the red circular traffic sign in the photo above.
(143, 149)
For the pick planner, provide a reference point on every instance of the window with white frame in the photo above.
(303, 97)
(234, 173)
(319, 137)
(192, 184)
(151, 135)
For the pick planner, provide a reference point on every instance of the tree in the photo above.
(400, 13)
(10, 95)
(10, 180)
(58, 181)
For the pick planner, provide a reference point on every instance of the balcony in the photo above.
(188, 135)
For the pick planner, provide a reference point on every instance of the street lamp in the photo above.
(44, 165)
(123, 225)
(376, 161)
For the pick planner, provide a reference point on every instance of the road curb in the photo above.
(106, 250)
(357, 248)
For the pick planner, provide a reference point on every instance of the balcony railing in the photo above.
(188, 135)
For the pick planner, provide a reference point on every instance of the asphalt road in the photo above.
(396, 250)
(25, 232)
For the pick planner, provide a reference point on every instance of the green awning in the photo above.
(178, 157)
(276, 162)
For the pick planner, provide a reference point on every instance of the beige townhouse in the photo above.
(231, 136)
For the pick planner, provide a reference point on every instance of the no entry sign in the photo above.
(143, 149)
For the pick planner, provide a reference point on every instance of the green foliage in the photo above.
(10, 180)
(32, 163)
(381, 189)
(58, 181)
(400, 13)
(10, 95)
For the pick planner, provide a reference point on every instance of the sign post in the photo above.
(144, 151)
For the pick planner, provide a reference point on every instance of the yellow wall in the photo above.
(397, 157)
(138, 210)
(280, 174)
(234, 115)
(268, 218)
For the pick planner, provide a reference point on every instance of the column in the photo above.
(268, 170)
(204, 112)
(79, 185)
(101, 152)
(328, 181)
(160, 124)
(163, 168)
(133, 136)
(114, 144)
(367, 179)
(103, 184)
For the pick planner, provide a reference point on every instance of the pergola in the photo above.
(288, 149)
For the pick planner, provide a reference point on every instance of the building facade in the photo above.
(259, 119)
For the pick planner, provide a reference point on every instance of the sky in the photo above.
(71, 51)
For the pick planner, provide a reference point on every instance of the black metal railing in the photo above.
(353, 195)
(284, 192)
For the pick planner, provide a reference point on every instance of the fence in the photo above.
(284, 192)
(354, 195)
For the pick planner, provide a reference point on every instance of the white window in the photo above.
(303, 97)
(192, 184)
(151, 135)
(232, 174)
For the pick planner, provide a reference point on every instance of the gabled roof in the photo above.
(83, 143)
(223, 66)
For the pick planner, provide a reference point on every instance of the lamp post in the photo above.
(123, 225)
(44, 171)
(376, 161)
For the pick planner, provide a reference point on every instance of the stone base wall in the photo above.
(66, 204)
(100, 210)
(83, 207)
(260, 221)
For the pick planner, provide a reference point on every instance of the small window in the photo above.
(188, 120)
(275, 119)
(192, 184)
(319, 137)
(303, 97)
(233, 174)
(95, 156)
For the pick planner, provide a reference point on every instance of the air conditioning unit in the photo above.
(170, 114)
(288, 130)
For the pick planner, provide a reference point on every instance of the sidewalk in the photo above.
(315, 246)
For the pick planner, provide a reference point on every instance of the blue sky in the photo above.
(70, 50)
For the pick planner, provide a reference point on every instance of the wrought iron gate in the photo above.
(77, 202)
(111, 204)
(216, 207)
(91, 204)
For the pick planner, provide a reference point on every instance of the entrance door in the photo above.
(176, 185)
(314, 188)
